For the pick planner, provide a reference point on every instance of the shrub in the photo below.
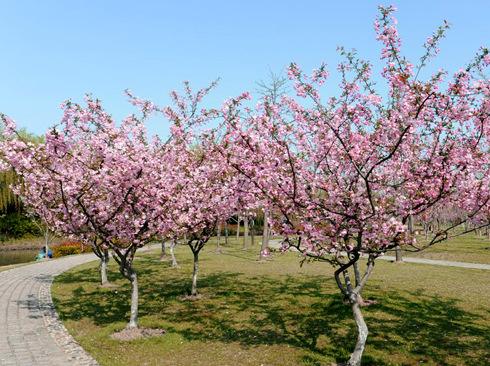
(16, 225)
(69, 248)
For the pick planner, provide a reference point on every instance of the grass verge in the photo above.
(465, 248)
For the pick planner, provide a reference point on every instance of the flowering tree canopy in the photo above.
(206, 191)
(91, 179)
(344, 174)
(340, 177)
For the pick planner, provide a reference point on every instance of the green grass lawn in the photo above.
(278, 313)
(465, 248)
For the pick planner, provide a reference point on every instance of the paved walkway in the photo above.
(438, 262)
(30, 331)
(276, 243)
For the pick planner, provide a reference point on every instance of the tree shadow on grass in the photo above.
(301, 311)
(431, 328)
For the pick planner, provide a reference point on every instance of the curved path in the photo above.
(438, 262)
(276, 244)
(30, 331)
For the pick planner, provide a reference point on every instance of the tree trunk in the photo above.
(398, 250)
(252, 232)
(133, 319)
(410, 224)
(226, 233)
(218, 239)
(163, 255)
(104, 259)
(194, 274)
(238, 229)
(362, 333)
(398, 254)
(46, 243)
(172, 254)
(264, 248)
(245, 233)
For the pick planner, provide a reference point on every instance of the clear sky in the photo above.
(55, 50)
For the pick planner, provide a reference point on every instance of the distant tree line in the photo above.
(15, 221)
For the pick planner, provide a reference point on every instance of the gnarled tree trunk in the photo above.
(353, 295)
(362, 333)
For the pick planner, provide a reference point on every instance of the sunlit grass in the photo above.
(278, 313)
(466, 248)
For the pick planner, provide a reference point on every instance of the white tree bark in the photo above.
(47, 240)
(104, 260)
(194, 274)
(226, 233)
(238, 228)
(362, 333)
(218, 239)
(265, 237)
(163, 255)
(133, 319)
(172, 254)
(245, 233)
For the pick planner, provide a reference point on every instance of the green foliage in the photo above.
(9, 202)
(17, 225)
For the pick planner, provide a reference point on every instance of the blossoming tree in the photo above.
(341, 176)
(93, 180)
(206, 191)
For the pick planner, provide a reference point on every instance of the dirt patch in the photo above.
(137, 333)
(190, 297)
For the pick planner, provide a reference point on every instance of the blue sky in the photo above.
(55, 50)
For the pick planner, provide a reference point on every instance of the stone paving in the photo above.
(439, 262)
(30, 331)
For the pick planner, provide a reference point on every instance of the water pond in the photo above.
(8, 257)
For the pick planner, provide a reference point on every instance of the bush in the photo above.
(69, 248)
(16, 225)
